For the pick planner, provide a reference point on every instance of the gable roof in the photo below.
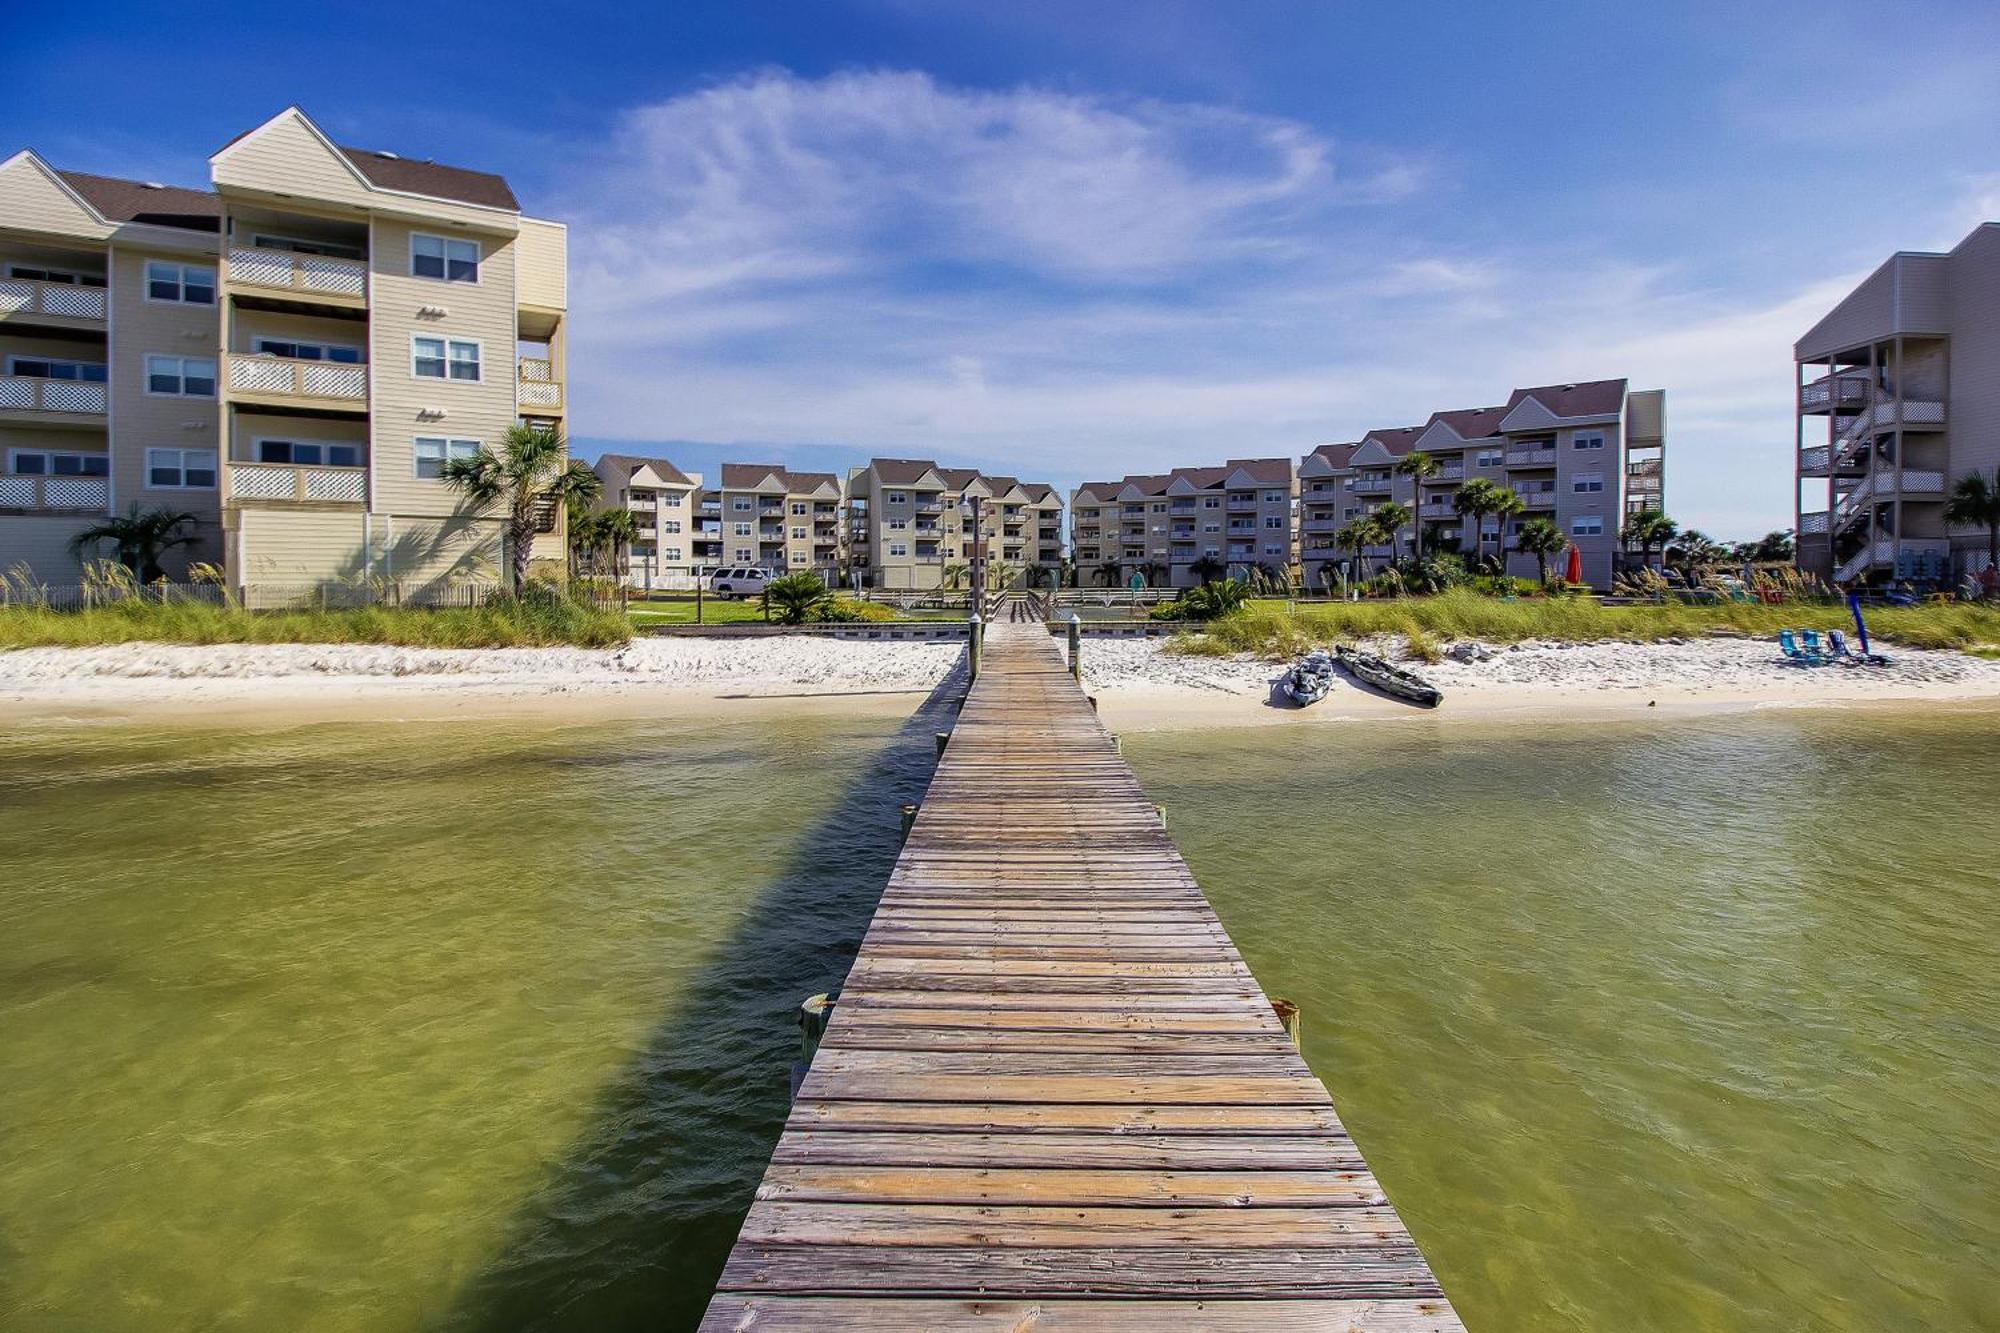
(901, 471)
(1395, 440)
(752, 476)
(631, 463)
(1591, 398)
(119, 200)
(388, 171)
(1472, 423)
(1334, 456)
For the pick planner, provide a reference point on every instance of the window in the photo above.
(742, 529)
(1587, 527)
(1588, 442)
(1273, 521)
(1159, 509)
(68, 277)
(745, 553)
(742, 504)
(441, 358)
(798, 557)
(180, 469)
(1211, 502)
(48, 368)
(432, 451)
(798, 534)
(1211, 527)
(898, 524)
(1274, 550)
(896, 498)
(1588, 483)
(670, 553)
(350, 356)
(1489, 458)
(441, 257)
(799, 507)
(1275, 497)
(190, 284)
(899, 548)
(670, 525)
(310, 453)
(299, 246)
(46, 463)
(180, 376)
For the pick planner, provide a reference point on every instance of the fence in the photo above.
(332, 595)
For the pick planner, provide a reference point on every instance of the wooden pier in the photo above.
(1051, 1095)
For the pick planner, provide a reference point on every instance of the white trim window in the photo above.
(1591, 525)
(446, 258)
(180, 469)
(179, 284)
(670, 525)
(742, 504)
(429, 453)
(1587, 483)
(798, 508)
(54, 463)
(744, 555)
(743, 529)
(1489, 458)
(896, 498)
(51, 368)
(305, 351)
(798, 534)
(798, 557)
(180, 376)
(1273, 521)
(1211, 502)
(308, 453)
(670, 553)
(68, 277)
(1593, 441)
(899, 548)
(444, 359)
(898, 524)
(1276, 497)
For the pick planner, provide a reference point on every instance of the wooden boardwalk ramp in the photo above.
(1051, 1095)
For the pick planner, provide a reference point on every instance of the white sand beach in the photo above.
(1139, 686)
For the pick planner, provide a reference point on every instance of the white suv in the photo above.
(739, 582)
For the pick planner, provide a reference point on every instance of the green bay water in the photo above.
(444, 1025)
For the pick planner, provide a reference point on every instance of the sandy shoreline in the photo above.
(1138, 686)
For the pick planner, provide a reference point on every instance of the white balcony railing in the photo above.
(292, 378)
(1814, 524)
(71, 493)
(1531, 458)
(31, 296)
(30, 393)
(1439, 509)
(1536, 499)
(283, 481)
(1920, 413)
(311, 275)
(537, 385)
(1846, 387)
(1817, 459)
(1884, 485)
(1885, 551)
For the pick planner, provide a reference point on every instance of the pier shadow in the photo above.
(632, 1229)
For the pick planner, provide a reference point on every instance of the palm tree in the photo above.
(1356, 537)
(796, 598)
(1476, 499)
(615, 530)
(1506, 505)
(1975, 502)
(532, 468)
(1419, 467)
(953, 575)
(1697, 551)
(1392, 516)
(1109, 571)
(1207, 569)
(1646, 529)
(140, 538)
(1541, 539)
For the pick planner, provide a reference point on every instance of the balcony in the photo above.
(62, 304)
(1918, 414)
(1438, 509)
(282, 381)
(1450, 472)
(285, 483)
(1834, 392)
(1814, 524)
(536, 386)
(1536, 497)
(1885, 485)
(1368, 484)
(53, 401)
(66, 494)
(1322, 523)
(322, 279)
(1531, 457)
(1887, 551)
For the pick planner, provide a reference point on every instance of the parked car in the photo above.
(739, 581)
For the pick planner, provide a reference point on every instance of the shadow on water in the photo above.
(632, 1229)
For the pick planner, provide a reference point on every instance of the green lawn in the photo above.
(714, 611)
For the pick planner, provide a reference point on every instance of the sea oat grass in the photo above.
(502, 623)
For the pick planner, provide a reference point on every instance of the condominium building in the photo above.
(1176, 528)
(786, 522)
(910, 520)
(1898, 392)
(663, 500)
(290, 357)
(1581, 455)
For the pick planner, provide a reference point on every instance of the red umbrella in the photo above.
(1574, 574)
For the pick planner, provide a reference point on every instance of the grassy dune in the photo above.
(1277, 630)
(503, 623)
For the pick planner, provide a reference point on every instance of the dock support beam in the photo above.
(943, 739)
(1290, 1017)
(909, 822)
(1076, 648)
(975, 640)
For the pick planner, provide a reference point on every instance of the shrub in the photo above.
(793, 599)
(852, 610)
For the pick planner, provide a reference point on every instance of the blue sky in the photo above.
(1067, 240)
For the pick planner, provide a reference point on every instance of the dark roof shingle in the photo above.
(1590, 398)
(414, 176)
(630, 463)
(138, 201)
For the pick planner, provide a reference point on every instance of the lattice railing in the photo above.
(31, 296)
(285, 375)
(320, 274)
(283, 481)
(32, 394)
(79, 493)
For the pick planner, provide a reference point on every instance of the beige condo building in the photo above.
(664, 502)
(786, 522)
(909, 520)
(290, 357)
(1173, 528)
(1898, 393)
(1582, 455)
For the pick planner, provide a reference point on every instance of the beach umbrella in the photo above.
(1860, 626)
(1574, 573)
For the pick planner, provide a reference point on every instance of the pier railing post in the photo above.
(975, 640)
(1076, 647)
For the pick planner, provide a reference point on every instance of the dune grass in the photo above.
(501, 623)
(1276, 630)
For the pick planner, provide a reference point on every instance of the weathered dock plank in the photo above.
(1052, 1096)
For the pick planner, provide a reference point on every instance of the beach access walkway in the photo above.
(1051, 1095)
